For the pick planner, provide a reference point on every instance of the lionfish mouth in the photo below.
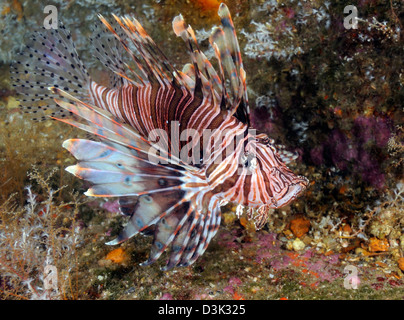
(292, 192)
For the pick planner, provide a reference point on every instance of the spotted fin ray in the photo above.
(50, 59)
(106, 51)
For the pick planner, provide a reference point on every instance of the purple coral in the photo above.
(356, 150)
(372, 129)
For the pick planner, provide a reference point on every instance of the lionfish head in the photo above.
(276, 185)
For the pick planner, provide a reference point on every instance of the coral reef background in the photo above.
(333, 95)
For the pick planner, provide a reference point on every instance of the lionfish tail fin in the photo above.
(50, 59)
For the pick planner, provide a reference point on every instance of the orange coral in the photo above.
(208, 4)
(299, 226)
(237, 296)
(378, 245)
(401, 263)
(13, 7)
(118, 256)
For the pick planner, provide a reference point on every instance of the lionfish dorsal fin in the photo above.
(106, 51)
(188, 74)
(201, 68)
(152, 65)
(104, 125)
(227, 51)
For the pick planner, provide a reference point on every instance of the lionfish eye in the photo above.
(271, 146)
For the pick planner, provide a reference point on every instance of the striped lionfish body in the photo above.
(173, 146)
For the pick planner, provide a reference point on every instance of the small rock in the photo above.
(288, 234)
(12, 103)
(298, 244)
(361, 252)
(346, 230)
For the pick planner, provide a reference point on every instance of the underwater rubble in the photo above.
(332, 95)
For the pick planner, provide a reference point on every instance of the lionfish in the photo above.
(176, 201)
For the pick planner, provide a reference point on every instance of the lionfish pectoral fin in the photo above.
(154, 195)
(177, 226)
(149, 210)
(188, 232)
(208, 226)
(167, 228)
(182, 239)
(127, 205)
